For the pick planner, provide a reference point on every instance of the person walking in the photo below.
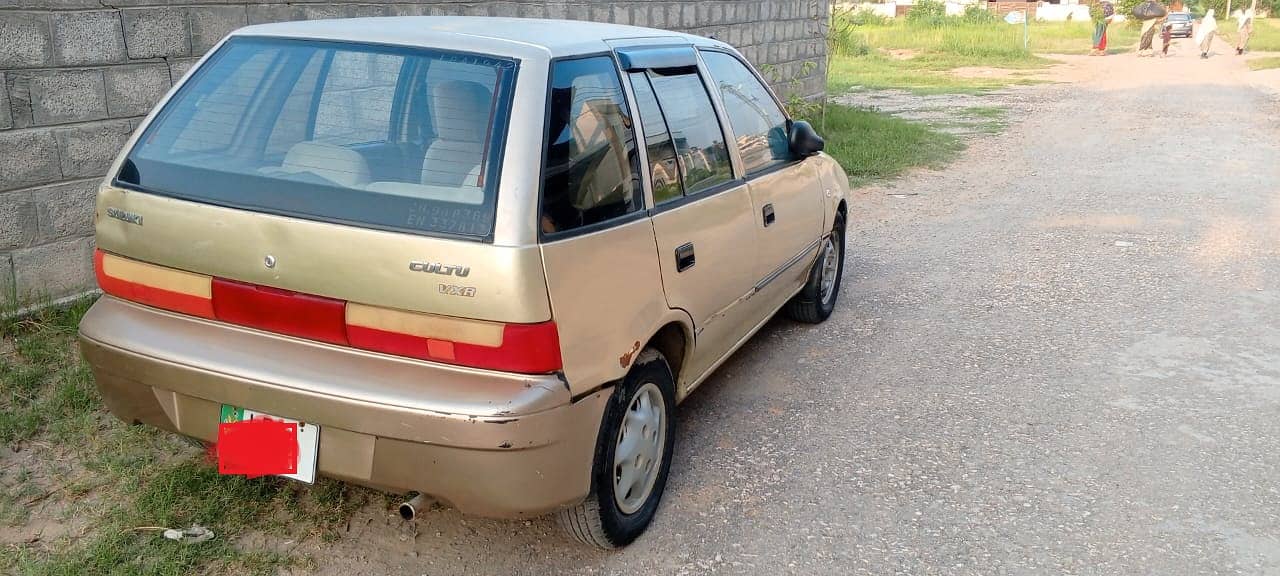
(1166, 37)
(1244, 29)
(1101, 19)
(1149, 28)
(1204, 34)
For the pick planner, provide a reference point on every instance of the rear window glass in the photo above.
(384, 137)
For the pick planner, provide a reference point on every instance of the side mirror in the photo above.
(804, 140)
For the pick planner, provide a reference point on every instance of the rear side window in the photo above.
(664, 169)
(758, 123)
(590, 172)
(695, 130)
(384, 137)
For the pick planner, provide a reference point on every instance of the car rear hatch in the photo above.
(337, 192)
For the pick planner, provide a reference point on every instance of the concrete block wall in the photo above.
(77, 76)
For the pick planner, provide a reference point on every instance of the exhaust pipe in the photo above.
(409, 510)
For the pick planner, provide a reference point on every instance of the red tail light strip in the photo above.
(280, 311)
(525, 348)
(128, 284)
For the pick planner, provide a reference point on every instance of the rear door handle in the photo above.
(684, 257)
(769, 216)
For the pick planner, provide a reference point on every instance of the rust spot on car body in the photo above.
(625, 359)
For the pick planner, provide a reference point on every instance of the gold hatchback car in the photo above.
(479, 259)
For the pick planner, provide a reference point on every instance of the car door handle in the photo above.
(684, 257)
(769, 216)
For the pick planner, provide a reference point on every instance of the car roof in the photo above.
(518, 37)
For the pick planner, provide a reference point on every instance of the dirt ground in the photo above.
(1060, 355)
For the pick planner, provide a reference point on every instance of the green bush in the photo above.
(975, 14)
(843, 36)
(928, 12)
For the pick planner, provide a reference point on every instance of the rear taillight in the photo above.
(154, 285)
(280, 311)
(525, 348)
(529, 348)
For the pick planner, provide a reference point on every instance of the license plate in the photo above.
(308, 442)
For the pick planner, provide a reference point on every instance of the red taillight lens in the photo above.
(525, 348)
(153, 285)
(280, 311)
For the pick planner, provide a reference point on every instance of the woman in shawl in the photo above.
(1244, 29)
(1204, 34)
(1102, 14)
(1148, 34)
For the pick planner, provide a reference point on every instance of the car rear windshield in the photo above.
(376, 136)
(1179, 17)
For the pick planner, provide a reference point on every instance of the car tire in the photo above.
(813, 303)
(605, 519)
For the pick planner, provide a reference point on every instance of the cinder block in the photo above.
(601, 13)
(134, 90)
(325, 11)
(179, 68)
(368, 11)
(88, 149)
(557, 10)
(81, 38)
(25, 41)
(18, 91)
(30, 157)
(273, 13)
(8, 293)
(640, 16)
(505, 9)
(53, 270)
(673, 17)
(6, 117)
(18, 220)
(60, 96)
(688, 15)
(64, 210)
(156, 33)
(529, 10)
(409, 10)
(210, 23)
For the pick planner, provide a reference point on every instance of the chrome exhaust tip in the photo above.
(409, 510)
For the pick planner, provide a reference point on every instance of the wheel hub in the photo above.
(638, 452)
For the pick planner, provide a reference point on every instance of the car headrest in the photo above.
(460, 110)
(329, 161)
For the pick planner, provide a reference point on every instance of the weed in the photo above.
(872, 145)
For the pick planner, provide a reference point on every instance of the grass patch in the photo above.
(1266, 34)
(1265, 63)
(872, 145)
(127, 477)
(861, 53)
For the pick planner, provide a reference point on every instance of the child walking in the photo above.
(1166, 36)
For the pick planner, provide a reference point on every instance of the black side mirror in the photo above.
(804, 140)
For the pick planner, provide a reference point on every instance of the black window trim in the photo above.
(755, 174)
(666, 126)
(735, 180)
(500, 145)
(548, 237)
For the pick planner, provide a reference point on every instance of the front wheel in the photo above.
(633, 457)
(817, 298)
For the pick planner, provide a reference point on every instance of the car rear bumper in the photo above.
(493, 444)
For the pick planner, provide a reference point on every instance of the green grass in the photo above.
(130, 477)
(1266, 34)
(861, 53)
(1264, 63)
(872, 145)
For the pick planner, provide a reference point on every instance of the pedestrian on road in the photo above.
(1204, 34)
(1149, 28)
(1244, 29)
(1166, 36)
(1102, 13)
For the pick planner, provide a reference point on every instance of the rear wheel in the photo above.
(817, 299)
(633, 457)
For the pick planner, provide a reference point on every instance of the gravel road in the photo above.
(1059, 356)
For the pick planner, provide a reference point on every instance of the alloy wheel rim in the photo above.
(830, 265)
(637, 455)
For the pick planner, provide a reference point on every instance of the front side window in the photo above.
(591, 167)
(397, 138)
(695, 130)
(758, 123)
